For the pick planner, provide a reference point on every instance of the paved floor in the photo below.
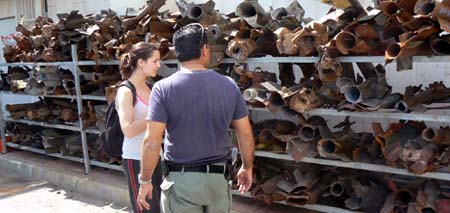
(24, 194)
(18, 194)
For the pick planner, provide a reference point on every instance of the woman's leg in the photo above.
(133, 169)
(133, 187)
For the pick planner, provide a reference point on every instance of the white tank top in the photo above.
(131, 148)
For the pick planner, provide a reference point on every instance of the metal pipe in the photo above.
(440, 46)
(352, 94)
(251, 94)
(337, 189)
(308, 132)
(404, 196)
(253, 13)
(437, 136)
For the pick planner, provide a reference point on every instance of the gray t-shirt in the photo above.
(198, 108)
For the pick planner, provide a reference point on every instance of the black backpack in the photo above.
(112, 136)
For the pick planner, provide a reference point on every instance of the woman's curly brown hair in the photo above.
(128, 62)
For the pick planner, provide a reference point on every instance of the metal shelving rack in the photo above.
(356, 165)
(380, 114)
(385, 114)
(74, 67)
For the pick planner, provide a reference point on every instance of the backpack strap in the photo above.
(130, 86)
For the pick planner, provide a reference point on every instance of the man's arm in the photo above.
(151, 148)
(247, 148)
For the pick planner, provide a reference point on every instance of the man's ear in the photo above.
(204, 50)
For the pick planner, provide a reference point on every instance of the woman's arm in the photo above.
(125, 110)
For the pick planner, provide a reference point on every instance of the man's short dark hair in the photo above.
(188, 42)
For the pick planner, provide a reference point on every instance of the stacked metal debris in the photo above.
(306, 184)
(415, 147)
(410, 145)
(50, 140)
(104, 36)
(323, 88)
(24, 135)
(53, 111)
(51, 80)
(395, 28)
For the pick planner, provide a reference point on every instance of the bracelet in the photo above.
(143, 182)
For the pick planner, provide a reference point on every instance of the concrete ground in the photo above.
(33, 182)
(19, 194)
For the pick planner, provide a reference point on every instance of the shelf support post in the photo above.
(2, 128)
(76, 74)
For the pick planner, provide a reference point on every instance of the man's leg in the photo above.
(219, 194)
(184, 192)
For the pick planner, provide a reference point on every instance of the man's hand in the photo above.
(145, 190)
(245, 177)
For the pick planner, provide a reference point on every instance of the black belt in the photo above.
(211, 168)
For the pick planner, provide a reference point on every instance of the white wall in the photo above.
(6, 8)
(91, 6)
(7, 27)
(313, 8)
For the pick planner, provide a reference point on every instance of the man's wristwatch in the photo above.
(143, 182)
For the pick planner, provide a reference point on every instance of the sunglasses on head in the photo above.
(203, 31)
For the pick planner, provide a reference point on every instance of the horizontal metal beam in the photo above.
(92, 130)
(72, 97)
(71, 158)
(40, 151)
(106, 165)
(381, 114)
(44, 124)
(93, 97)
(316, 207)
(116, 62)
(36, 64)
(266, 59)
(356, 165)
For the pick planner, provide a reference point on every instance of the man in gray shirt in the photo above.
(195, 108)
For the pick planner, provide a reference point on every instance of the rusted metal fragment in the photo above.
(335, 148)
(395, 10)
(286, 74)
(201, 13)
(358, 38)
(352, 5)
(52, 141)
(437, 136)
(88, 117)
(427, 197)
(252, 12)
(285, 41)
(290, 17)
(441, 11)
(419, 160)
(34, 88)
(151, 8)
(242, 46)
(411, 43)
(305, 100)
(370, 93)
(415, 97)
(440, 45)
